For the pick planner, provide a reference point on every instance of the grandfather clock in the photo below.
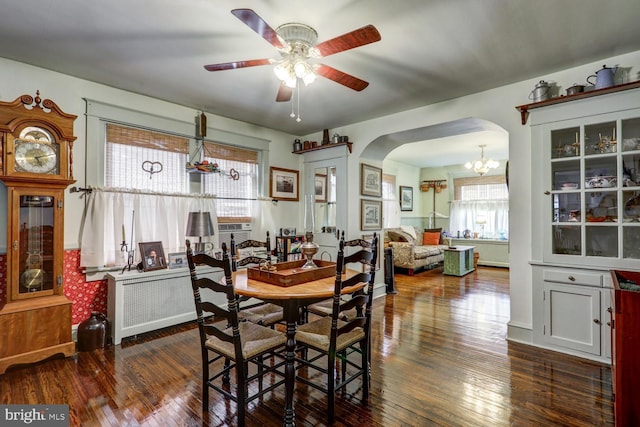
(37, 141)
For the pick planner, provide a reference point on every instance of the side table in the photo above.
(458, 260)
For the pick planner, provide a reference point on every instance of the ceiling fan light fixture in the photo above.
(297, 33)
(483, 165)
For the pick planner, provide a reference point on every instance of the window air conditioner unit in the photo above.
(240, 231)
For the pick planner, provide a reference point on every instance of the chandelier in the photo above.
(483, 165)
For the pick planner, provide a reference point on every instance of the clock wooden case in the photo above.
(37, 141)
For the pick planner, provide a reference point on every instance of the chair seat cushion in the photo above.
(317, 334)
(256, 339)
(264, 314)
(324, 308)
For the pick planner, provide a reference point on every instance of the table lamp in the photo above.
(199, 224)
(309, 248)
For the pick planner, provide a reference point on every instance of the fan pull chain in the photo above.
(298, 92)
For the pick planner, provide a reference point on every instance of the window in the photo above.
(481, 207)
(390, 211)
(481, 188)
(145, 160)
(232, 204)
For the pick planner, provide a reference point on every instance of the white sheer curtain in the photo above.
(262, 220)
(469, 214)
(111, 214)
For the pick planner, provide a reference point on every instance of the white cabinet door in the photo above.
(572, 317)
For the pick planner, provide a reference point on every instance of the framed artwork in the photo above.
(177, 260)
(152, 256)
(320, 186)
(406, 198)
(370, 180)
(283, 184)
(370, 214)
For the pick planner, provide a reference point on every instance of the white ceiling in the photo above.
(431, 50)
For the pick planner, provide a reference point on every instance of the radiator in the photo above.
(143, 302)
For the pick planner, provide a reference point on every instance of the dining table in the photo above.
(292, 299)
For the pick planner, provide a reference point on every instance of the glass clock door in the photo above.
(36, 243)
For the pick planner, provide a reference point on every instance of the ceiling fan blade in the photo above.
(237, 64)
(356, 38)
(284, 93)
(257, 24)
(340, 77)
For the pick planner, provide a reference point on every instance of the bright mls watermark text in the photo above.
(34, 415)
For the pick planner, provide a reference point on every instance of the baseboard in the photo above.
(520, 333)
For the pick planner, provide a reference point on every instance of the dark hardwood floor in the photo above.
(439, 358)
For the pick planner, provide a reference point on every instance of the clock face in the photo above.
(36, 157)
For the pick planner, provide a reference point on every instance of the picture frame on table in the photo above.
(320, 186)
(177, 260)
(406, 198)
(370, 180)
(152, 254)
(284, 184)
(370, 214)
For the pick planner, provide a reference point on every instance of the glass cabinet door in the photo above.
(595, 189)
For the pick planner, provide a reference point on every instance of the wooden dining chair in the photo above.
(223, 335)
(324, 308)
(262, 313)
(329, 338)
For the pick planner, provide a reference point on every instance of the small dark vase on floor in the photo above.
(92, 332)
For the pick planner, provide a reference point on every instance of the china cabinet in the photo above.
(36, 157)
(586, 199)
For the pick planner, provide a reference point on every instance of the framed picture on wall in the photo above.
(320, 186)
(370, 214)
(152, 255)
(406, 198)
(284, 184)
(370, 180)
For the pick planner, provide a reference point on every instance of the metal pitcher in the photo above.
(541, 92)
(604, 77)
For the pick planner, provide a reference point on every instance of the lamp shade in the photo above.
(199, 224)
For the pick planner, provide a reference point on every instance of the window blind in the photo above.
(132, 154)
(233, 195)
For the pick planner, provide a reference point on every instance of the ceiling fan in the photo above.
(297, 44)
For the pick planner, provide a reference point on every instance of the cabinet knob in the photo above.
(596, 321)
(609, 310)
(573, 279)
(608, 323)
(547, 192)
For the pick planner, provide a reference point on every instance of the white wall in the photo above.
(408, 176)
(17, 79)
(496, 106)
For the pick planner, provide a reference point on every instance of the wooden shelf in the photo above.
(524, 109)
(322, 147)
